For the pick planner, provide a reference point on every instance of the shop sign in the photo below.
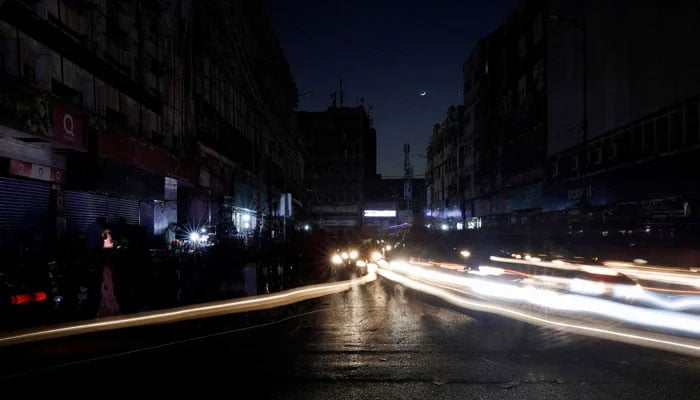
(68, 127)
(36, 171)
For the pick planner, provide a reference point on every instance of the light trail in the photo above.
(563, 302)
(205, 310)
(627, 335)
(645, 273)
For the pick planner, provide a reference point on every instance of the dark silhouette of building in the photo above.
(573, 107)
(341, 147)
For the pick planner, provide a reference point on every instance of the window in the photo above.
(537, 29)
(662, 140)
(691, 124)
(612, 150)
(676, 134)
(597, 155)
(574, 162)
(538, 75)
(522, 89)
(648, 141)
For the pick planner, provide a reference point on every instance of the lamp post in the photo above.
(581, 27)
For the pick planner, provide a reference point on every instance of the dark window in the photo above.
(67, 93)
(662, 134)
(648, 141)
(691, 124)
(637, 140)
(676, 133)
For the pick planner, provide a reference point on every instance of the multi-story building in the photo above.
(565, 109)
(341, 147)
(141, 110)
(505, 99)
(243, 102)
(623, 115)
(442, 179)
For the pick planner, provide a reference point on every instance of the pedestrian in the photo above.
(108, 300)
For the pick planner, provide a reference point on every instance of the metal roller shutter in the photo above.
(128, 209)
(24, 205)
(82, 208)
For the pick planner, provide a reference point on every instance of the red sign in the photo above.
(36, 171)
(68, 127)
(119, 147)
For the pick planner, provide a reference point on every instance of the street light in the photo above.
(581, 27)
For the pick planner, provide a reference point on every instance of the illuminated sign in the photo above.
(69, 127)
(380, 213)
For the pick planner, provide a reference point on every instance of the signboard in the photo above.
(340, 222)
(285, 208)
(379, 213)
(525, 197)
(36, 171)
(334, 209)
(68, 127)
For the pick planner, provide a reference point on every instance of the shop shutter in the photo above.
(82, 208)
(129, 209)
(24, 206)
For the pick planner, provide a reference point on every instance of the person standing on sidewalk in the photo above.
(108, 300)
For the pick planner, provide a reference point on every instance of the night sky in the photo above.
(387, 52)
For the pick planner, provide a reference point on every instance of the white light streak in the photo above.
(656, 340)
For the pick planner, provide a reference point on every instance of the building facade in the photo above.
(123, 110)
(566, 113)
(341, 149)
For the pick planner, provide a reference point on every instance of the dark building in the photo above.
(123, 109)
(442, 178)
(565, 111)
(243, 102)
(623, 116)
(341, 148)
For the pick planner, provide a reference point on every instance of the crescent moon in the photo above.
(423, 93)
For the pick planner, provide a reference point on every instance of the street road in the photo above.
(378, 340)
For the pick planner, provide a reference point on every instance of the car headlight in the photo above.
(465, 253)
(353, 254)
(361, 263)
(336, 259)
(376, 256)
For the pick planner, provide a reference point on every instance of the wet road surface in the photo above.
(377, 340)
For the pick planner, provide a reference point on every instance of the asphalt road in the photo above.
(377, 341)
